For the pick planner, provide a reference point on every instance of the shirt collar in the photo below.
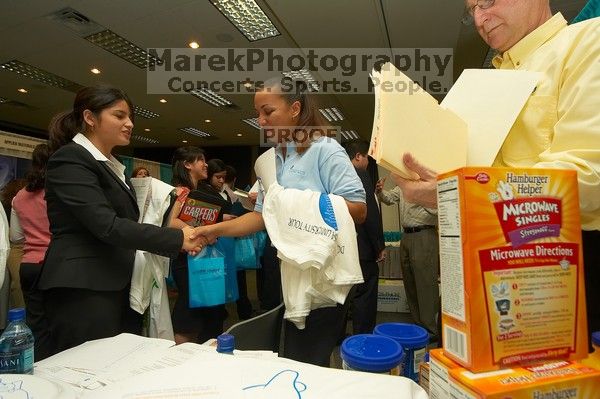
(98, 156)
(290, 149)
(513, 57)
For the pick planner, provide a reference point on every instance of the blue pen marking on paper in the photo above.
(298, 387)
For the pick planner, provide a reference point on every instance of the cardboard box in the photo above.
(511, 267)
(391, 296)
(424, 377)
(439, 374)
(560, 380)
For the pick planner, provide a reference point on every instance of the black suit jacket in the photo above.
(369, 233)
(93, 220)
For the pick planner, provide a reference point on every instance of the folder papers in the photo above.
(467, 128)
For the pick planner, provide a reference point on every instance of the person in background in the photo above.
(420, 261)
(93, 216)
(190, 324)
(320, 166)
(559, 127)
(13, 263)
(140, 171)
(217, 174)
(371, 246)
(29, 225)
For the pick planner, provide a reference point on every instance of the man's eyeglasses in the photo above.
(482, 4)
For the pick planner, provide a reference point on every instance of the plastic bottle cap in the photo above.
(16, 314)
(596, 338)
(410, 336)
(225, 343)
(369, 352)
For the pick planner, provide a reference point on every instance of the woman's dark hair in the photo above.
(36, 176)
(9, 191)
(64, 126)
(215, 166)
(137, 170)
(293, 90)
(181, 176)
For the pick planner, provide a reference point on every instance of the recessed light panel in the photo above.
(123, 49)
(35, 73)
(248, 17)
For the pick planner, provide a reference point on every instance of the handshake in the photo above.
(195, 238)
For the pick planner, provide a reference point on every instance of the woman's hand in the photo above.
(207, 233)
(192, 243)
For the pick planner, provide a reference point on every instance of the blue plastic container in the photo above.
(413, 339)
(372, 353)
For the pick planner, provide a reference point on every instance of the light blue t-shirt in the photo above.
(324, 167)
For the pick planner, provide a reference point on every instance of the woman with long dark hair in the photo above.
(93, 220)
(191, 324)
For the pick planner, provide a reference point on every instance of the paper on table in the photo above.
(489, 101)
(264, 167)
(93, 358)
(408, 119)
(222, 376)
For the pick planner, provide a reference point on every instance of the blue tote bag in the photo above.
(206, 274)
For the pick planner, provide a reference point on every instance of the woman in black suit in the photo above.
(93, 220)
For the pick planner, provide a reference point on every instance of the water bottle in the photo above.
(225, 344)
(16, 345)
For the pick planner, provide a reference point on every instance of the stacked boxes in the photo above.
(511, 267)
(391, 296)
(558, 380)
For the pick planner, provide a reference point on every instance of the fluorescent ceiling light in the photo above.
(144, 113)
(195, 132)
(123, 49)
(332, 114)
(211, 97)
(303, 74)
(35, 73)
(3, 100)
(144, 139)
(252, 122)
(248, 17)
(349, 134)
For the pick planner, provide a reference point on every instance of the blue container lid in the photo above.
(369, 352)
(410, 336)
(225, 343)
(596, 338)
(16, 314)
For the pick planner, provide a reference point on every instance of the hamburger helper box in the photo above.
(511, 267)
(555, 380)
(558, 380)
(439, 374)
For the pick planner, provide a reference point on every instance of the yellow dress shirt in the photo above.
(559, 127)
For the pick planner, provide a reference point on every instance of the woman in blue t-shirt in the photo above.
(288, 111)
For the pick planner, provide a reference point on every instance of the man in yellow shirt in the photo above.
(559, 127)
